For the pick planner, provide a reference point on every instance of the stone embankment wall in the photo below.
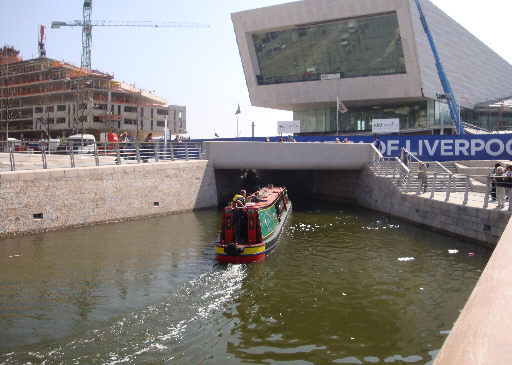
(481, 334)
(40, 200)
(379, 193)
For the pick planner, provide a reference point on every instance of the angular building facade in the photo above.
(371, 54)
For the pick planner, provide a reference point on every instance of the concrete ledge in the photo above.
(292, 156)
(9, 176)
(482, 333)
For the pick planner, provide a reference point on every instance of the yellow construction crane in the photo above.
(87, 25)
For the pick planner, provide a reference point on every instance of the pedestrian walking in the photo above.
(423, 176)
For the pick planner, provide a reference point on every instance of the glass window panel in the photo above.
(360, 118)
(356, 47)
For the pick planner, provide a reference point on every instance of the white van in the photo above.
(82, 143)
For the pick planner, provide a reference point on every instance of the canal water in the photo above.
(345, 285)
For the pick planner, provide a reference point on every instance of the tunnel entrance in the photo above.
(302, 185)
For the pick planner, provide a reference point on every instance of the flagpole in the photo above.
(337, 113)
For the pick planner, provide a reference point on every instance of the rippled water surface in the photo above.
(344, 285)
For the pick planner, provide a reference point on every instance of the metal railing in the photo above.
(441, 182)
(45, 155)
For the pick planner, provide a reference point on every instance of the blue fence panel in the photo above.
(426, 147)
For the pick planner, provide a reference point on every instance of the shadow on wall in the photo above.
(207, 196)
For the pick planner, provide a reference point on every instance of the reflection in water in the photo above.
(150, 290)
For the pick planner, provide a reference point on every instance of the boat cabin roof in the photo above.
(266, 197)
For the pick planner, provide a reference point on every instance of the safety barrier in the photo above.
(49, 154)
(441, 181)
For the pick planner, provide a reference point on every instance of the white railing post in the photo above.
(408, 182)
(448, 191)
(487, 191)
(466, 191)
(433, 186)
(420, 182)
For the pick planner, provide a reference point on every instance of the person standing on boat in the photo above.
(239, 200)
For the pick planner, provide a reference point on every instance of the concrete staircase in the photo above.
(388, 168)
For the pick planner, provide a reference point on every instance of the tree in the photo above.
(84, 102)
(44, 120)
(7, 101)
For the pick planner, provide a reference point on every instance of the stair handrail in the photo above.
(410, 154)
(444, 168)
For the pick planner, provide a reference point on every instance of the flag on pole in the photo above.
(238, 110)
(341, 107)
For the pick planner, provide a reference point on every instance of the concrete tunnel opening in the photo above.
(302, 185)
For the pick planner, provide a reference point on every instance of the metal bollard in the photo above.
(71, 155)
(96, 158)
(43, 156)
(11, 157)
(186, 150)
(155, 150)
(118, 154)
(172, 151)
(137, 151)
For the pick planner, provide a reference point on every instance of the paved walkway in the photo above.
(35, 162)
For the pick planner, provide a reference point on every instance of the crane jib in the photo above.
(87, 25)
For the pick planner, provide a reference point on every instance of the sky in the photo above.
(196, 67)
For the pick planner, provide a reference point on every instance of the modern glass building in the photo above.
(374, 56)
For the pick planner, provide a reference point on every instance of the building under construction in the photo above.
(46, 98)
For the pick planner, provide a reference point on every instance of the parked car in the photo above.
(19, 146)
(82, 143)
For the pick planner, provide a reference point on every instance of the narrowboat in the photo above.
(249, 233)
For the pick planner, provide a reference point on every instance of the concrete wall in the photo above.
(288, 156)
(481, 334)
(87, 195)
(379, 193)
